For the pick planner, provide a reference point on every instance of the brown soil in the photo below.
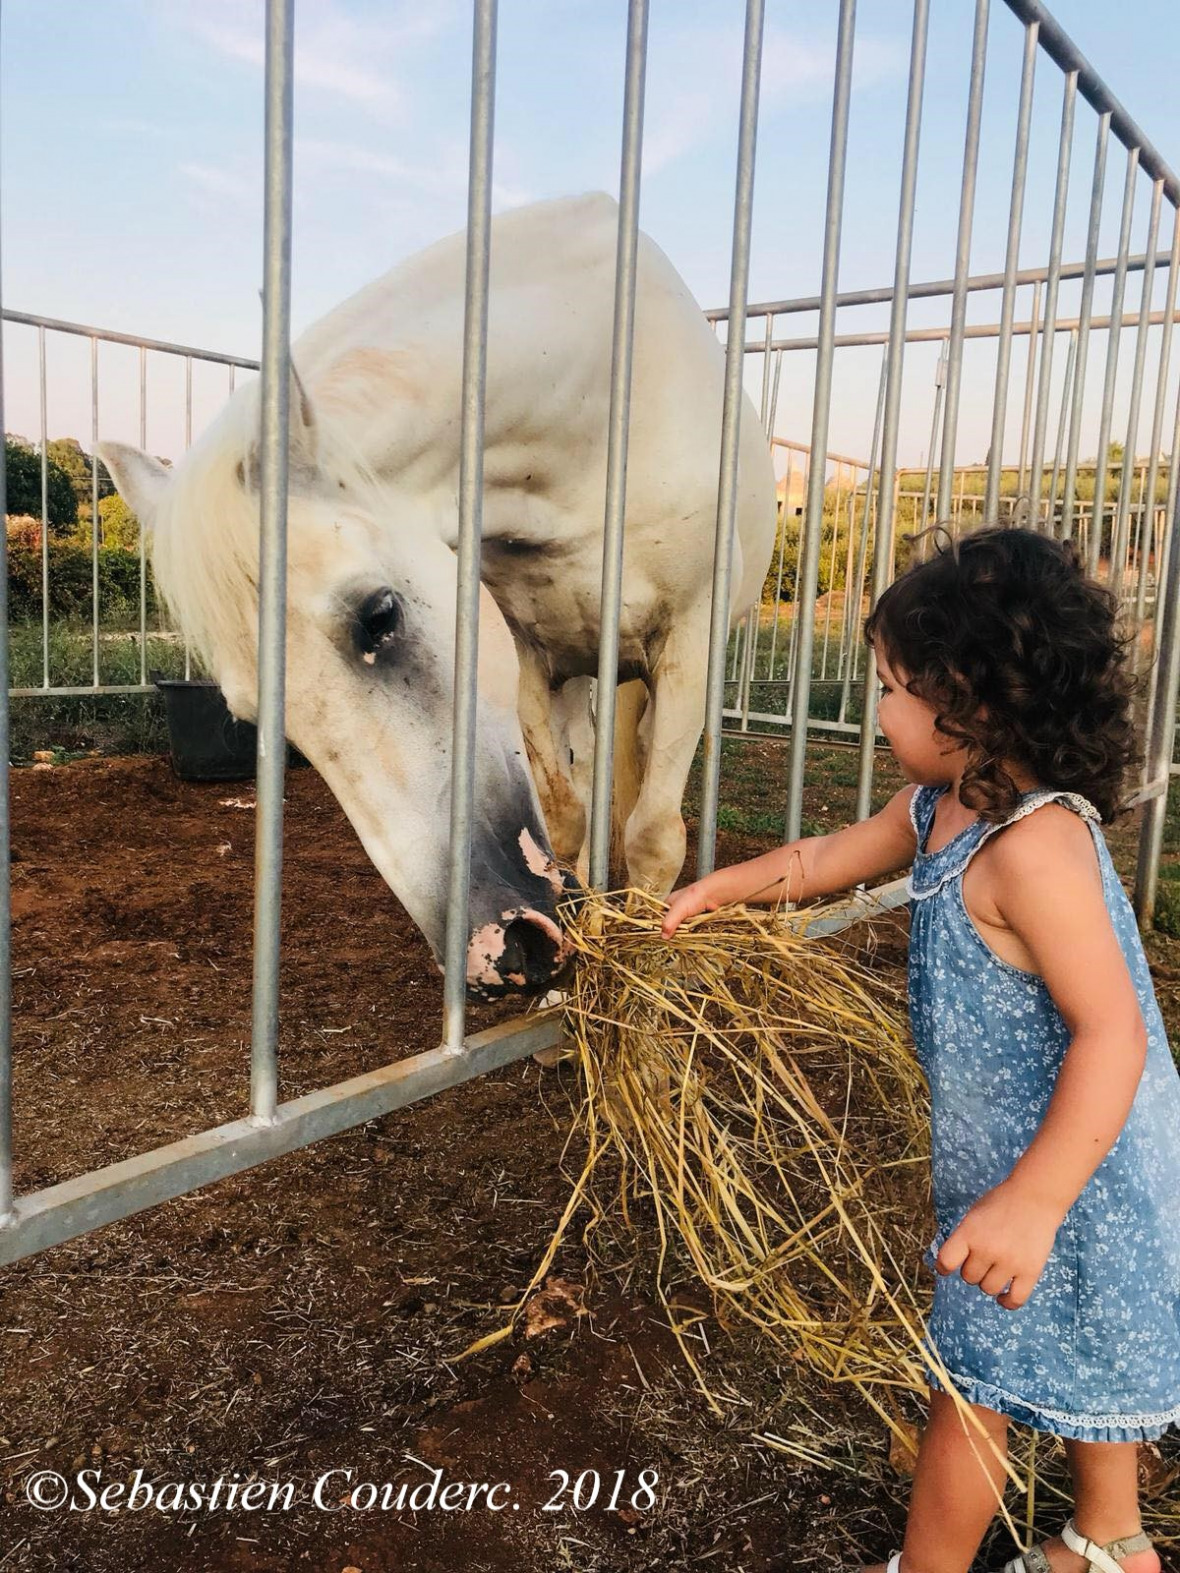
(305, 1316)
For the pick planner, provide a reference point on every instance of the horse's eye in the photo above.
(378, 619)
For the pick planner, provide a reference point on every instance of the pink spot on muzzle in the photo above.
(486, 949)
(540, 863)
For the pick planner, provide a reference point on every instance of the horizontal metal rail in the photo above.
(882, 295)
(87, 1201)
(90, 691)
(134, 341)
(832, 458)
(61, 1212)
(1061, 48)
(973, 330)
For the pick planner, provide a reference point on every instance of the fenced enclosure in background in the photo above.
(870, 506)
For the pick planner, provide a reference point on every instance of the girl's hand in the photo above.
(1004, 1240)
(700, 896)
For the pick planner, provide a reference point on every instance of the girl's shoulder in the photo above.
(1047, 837)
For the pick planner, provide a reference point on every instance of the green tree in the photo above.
(69, 455)
(22, 465)
(117, 525)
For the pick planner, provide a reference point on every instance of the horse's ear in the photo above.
(302, 439)
(302, 421)
(140, 479)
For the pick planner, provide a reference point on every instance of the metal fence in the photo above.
(32, 1222)
(42, 326)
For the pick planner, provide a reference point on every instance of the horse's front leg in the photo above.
(565, 816)
(655, 836)
(573, 724)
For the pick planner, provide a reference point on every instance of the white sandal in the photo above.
(1100, 1559)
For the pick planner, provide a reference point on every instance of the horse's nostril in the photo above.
(530, 953)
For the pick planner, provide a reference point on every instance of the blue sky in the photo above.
(131, 168)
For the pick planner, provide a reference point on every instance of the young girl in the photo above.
(1055, 1100)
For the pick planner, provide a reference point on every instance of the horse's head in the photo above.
(370, 669)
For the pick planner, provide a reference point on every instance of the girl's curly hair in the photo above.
(1022, 658)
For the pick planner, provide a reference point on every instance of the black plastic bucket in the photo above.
(207, 743)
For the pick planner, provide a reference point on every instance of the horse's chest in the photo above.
(551, 604)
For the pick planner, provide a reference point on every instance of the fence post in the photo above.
(735, 347)
(272, 586)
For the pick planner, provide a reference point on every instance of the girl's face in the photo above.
(925, 755)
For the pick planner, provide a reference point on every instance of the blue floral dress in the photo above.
(1094, 1352)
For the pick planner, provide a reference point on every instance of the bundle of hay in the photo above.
(753, 1097)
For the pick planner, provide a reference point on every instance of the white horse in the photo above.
(372, 529)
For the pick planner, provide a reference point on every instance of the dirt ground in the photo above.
(304, 1317)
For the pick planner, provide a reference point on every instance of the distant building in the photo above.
(798, 485)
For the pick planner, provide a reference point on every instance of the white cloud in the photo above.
(336, 53)
(440, 176)
(219, 182)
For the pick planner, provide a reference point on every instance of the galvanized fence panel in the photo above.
(869, 493)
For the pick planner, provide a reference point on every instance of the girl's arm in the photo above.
(1057, 907)
(1049, 891)
(811, 866)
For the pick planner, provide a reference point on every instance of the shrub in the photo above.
(117, 525)
(70, 584)
(22, 469)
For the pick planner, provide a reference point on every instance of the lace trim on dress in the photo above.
(957, 867)
(1128, 1422)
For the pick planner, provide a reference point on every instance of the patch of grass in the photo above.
(75, 725)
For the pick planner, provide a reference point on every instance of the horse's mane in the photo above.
(205, 535)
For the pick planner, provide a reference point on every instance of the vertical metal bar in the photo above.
(823, 670)
(852, 606)
(94, 501)
(475, 340)
(5, 849)
(141, 531)
(793, 651)
(939, 387)
(188, 442)
(272, 588)
(754, 621)
(950, 418)
(1030, 377)
(773, 416)
(1051, 525)
(995, 458)
(41, 382)
(849, 550)
(1126, 480)
(883, 555)
(616, 457)
(739, 277)
(768, 340)
(1085, 313)
(1166, 607)
(782, 547)
(1112, 363)
(1052, 286)
(739, 648)
(821, 412)
(1161, 730)
(1136, 553)
(1157, 424)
